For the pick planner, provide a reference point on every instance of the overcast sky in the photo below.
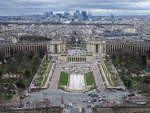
(96, 7)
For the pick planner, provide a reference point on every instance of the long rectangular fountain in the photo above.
(76, 81)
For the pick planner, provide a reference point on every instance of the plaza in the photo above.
(74, 74)
(77, 76)
(77, 63)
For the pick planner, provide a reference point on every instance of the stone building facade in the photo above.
(95, 48)
(115, 47)
(7, 50)
(56, 47)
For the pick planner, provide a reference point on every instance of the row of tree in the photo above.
(25, 65)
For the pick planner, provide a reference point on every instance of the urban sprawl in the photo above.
(74, 62)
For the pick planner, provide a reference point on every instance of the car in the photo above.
(84, 101)
(99, 100)
(94, 95)
(104, 96)
(103, 99)
(89, 94)
(94, 100)
(131, 94)
(141, 103)
(89, 101)
(100, 96)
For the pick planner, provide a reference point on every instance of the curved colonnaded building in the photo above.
(93, 48)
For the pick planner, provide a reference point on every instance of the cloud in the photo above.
(118, 11)
(25, 7)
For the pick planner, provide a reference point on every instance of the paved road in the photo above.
(54, 97)
(59, 98)
(55, 79)
(58, 69)
(98, 77)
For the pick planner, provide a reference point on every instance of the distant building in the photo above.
(59, 15)
(77, 14)
(66, 15)
(84, 15)
(48, 14)
(129, 30)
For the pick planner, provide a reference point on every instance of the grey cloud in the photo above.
(25, 7)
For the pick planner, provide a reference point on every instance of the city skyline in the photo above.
(83, 56)
(96, 7)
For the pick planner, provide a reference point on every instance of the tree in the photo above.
(27, 73)
(31, 55)
(1, 73)
(127, 81)
(41, 53)
(20, 84)
(36, 60)
(146, 79)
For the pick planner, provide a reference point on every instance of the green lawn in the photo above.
(107, 66)
(63, 78)
(39, 81)
(90, 80)
(45, 68)
(4, 95)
